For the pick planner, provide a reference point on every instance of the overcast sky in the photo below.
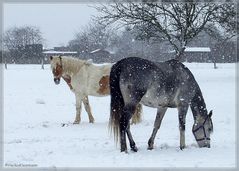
(57, 22)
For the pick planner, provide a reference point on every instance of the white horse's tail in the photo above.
(137, 116)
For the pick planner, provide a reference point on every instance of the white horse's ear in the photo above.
(106, 75)
(89, 61)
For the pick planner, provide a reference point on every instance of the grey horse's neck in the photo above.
(198, 106)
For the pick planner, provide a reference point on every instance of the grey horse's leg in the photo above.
(160, 114)
(131, 141)
(124, 126)
(78, 109)
(132, 98)
(182, 111)
(88, 109)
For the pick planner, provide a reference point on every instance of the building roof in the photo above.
(97, 50)
(195, 49)
(59, 52)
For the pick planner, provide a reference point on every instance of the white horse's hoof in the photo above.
(76, 122)
(92, 121)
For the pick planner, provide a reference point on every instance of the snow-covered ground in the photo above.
(35, 108)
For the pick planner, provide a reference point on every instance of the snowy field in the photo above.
(35, 109)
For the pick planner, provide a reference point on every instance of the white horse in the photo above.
(84, 78)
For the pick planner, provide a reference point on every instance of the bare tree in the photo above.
(80, 43)
(93, 36)
(128, 44)
(177, 23)
(20, 42)
(16, 37)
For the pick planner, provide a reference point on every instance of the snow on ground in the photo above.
(35, 109)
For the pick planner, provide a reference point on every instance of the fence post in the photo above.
(5, 63)
(42, 63)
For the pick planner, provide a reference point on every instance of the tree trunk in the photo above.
(179, 54)
(215, 65)
(214, 61)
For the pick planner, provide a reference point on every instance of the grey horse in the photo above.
(159, 85)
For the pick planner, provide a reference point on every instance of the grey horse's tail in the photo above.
(117, 101)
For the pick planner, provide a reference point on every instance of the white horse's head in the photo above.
(56, 67)
(65, 67)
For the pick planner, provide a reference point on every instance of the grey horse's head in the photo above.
(202, 129)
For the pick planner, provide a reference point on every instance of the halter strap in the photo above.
(204, 131)
(60, 60)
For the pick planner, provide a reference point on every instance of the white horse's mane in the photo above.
(70, 64)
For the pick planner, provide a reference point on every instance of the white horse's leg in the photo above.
(88, 109)
(137, 116)
(78, 109)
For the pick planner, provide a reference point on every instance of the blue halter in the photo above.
(204, 131)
